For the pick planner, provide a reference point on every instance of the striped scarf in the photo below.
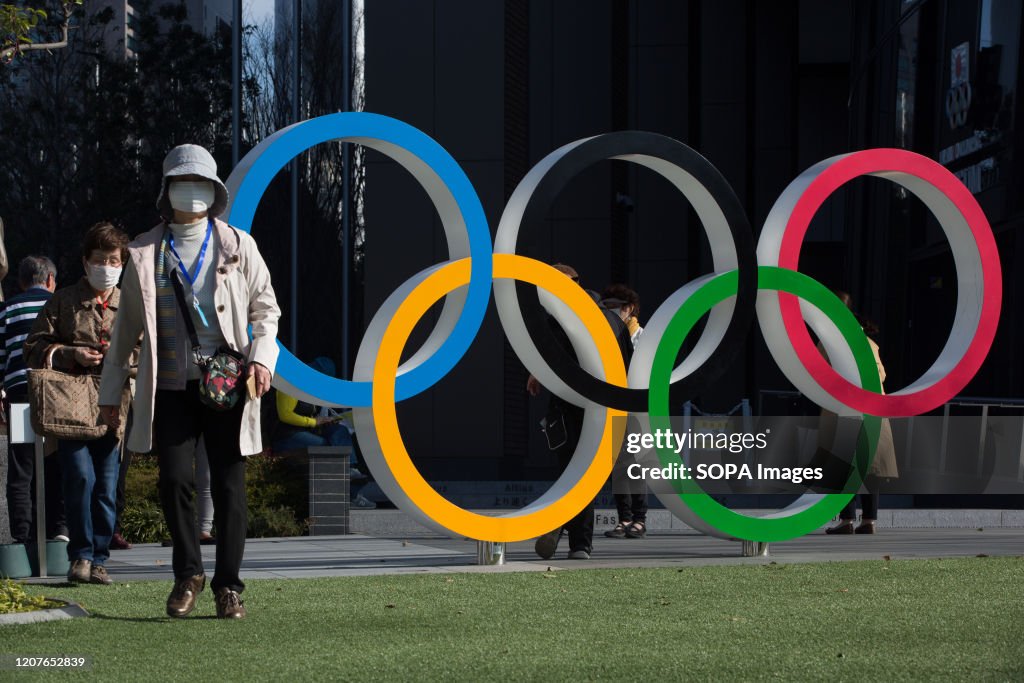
(166, 317)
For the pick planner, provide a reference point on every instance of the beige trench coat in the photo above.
(243, 296)
(884, 463)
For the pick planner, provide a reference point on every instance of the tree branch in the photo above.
(8, 54)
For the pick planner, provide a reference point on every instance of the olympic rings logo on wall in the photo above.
(958, 104)
(746, 280)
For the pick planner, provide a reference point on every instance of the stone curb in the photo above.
(70, 610)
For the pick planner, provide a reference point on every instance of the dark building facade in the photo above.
(945, 87)
(763, 90)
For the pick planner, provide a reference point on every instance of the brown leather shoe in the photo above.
(867, 526)
(118, 542)
(80, 572)
(99, 574)
(844, 527)
(229, 605)
(182, 599)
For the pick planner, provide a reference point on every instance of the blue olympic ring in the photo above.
(392, 137)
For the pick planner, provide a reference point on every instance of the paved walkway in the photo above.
(359, 555)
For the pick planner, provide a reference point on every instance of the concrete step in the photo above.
(512, 495)
(395, 523)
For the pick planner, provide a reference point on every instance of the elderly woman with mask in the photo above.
(223, 285)
(72, 333)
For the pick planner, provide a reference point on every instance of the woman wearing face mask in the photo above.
(194, 264)
(625, 302)
(73, 331)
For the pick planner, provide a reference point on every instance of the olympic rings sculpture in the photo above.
(747, 280)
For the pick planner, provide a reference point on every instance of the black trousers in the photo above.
(21, 491)
(581, 527)
(630, 494)
(179, 420)
(868, 501)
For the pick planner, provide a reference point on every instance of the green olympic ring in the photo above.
(770, 528)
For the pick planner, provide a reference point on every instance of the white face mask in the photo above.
(102, 278)
(190, 196)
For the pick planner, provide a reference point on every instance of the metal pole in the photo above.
(40, 477)
(754, 549)
(491, 553)
(236, 82)
(296, 101)
(346, 179)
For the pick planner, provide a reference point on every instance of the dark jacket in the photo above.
(574, 413)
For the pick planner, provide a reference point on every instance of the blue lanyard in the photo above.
(191, 279)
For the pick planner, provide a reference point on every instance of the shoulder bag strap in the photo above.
(179, 294)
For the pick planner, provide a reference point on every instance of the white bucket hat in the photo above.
(191, 160)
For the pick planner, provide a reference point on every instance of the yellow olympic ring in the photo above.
(545, 514)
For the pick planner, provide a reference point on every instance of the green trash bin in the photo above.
(14, 562)
(57, 563)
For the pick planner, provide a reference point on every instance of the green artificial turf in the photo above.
(874, 620)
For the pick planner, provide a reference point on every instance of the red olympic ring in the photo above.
(881, 162)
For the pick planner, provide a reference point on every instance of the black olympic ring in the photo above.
(653, 151)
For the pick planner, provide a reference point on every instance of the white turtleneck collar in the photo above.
(189, 231)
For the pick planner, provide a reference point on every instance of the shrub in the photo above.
(276, 489)
(271, 522)
(141, 481)
(274, 481)
(143, 522)
(14, 599)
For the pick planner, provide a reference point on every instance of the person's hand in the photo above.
(87, 357)
(532, 386)
(111, 416)
(262, 375)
